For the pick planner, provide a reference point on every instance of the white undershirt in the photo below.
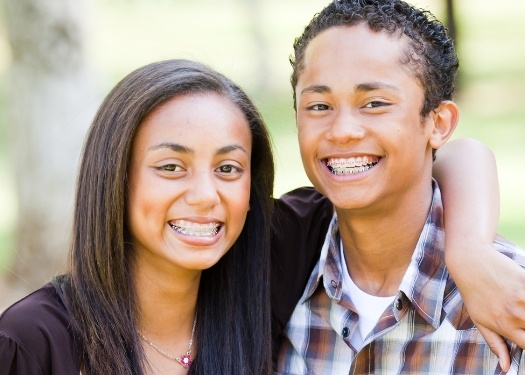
(368, 307)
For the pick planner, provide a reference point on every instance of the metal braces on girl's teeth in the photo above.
(206, 230)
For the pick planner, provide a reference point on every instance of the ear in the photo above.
(445, 118)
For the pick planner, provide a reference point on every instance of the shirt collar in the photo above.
(328, 268)
(424, 281)
(426, 277)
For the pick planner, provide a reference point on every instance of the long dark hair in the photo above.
(233, 329)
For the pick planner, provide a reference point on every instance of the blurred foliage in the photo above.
(125, 34)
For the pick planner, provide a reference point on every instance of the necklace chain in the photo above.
(185, 359)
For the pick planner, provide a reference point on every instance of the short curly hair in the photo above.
(430, 55)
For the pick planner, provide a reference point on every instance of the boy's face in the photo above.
(363, 141)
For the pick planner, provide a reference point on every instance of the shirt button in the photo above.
(335, 284)
(399, 304)
(345, 332)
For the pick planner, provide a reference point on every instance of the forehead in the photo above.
(201, 121)
(356, 50)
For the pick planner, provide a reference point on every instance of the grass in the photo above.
(123, 35)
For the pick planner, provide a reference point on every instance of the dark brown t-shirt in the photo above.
(37, 337)
(299, 226)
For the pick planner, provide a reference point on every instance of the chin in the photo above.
(204, 263)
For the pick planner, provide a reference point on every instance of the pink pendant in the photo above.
(185, 360)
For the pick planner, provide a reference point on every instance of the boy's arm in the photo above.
(492, 286)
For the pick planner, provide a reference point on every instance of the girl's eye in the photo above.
(228, 169)
(319, 107)
(170, 168)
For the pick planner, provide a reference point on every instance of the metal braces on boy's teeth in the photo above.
(197, 230)
(351, 166)
(350, 170)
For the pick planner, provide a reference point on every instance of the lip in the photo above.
(197, 231)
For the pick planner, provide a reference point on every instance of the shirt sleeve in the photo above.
(16, 360)
(37, 337)
(299, 225)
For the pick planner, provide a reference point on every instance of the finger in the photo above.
(498, 346)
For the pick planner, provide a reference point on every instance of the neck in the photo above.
(378, 245)
(166, 303)
(166, 300)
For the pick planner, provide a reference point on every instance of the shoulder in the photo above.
(300, 221)
(41, 310)
(301, 213)
(38, 331)
(304, 201)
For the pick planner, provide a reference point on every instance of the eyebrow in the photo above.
(172, 146)
(371, 86)
(316, 89)
(185, 150)
(361, 87)
(226, 149)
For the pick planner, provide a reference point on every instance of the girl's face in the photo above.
(189, 182)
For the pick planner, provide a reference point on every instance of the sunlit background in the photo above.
(250, 41)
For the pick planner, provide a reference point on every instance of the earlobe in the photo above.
(445, 118)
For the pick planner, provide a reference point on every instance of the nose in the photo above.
(203, 191)
(346, 127)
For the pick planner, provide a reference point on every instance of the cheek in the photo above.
(309, 134)
(138, 212)
(304, 143)
(243, 196)
(239, 204)
(145, 202)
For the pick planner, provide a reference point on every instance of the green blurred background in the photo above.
(251, 41)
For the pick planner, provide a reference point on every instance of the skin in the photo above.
(372, 111)
(189, 171)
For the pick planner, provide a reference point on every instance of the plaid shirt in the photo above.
(426, 330)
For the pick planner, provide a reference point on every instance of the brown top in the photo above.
(299, 226)
(37, 336)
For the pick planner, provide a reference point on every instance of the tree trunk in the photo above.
(451, 20)
(452, 26)
(262, 72)
(49, 106)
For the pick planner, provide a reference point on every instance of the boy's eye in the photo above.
(375, 104)
(319, 107)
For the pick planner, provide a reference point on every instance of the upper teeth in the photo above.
(351, 165)
(195, 229)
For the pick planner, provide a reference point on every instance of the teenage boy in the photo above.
(373, 82)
